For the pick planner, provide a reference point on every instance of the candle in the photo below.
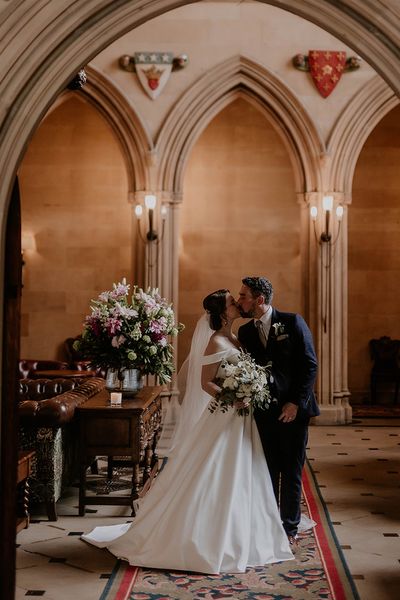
(116, 398)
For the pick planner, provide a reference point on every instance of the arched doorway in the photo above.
(74, 203)
(374, 268)
(240, 184)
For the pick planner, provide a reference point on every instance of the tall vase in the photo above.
(127, 381)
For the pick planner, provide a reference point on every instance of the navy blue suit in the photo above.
(290, 348)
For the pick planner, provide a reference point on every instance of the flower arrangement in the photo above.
(243, 382)
(125, 333)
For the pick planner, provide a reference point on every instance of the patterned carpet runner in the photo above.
(377, 411)
(319, 571)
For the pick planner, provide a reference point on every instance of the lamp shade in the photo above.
(327, 203)
(138, 211)
(28, 241)
(150, 201)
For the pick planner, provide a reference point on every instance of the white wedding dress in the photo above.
(212, 508)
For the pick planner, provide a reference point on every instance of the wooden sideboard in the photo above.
(130, 430)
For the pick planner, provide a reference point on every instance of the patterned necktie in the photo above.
(261, 333)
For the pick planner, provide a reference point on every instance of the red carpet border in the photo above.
(319, 571)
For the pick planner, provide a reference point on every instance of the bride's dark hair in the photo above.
(215, 305)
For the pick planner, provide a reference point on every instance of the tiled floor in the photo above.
(357, 468)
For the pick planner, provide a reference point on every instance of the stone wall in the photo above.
(74, 204)
(374, 257)
(239, 215)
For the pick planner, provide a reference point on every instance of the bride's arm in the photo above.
(208, 374)
(209, 371)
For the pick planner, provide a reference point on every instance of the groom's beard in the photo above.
(248, 314)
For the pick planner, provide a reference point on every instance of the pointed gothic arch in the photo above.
(350, 133)
(239, 77)
(133, 137)
(44, 46)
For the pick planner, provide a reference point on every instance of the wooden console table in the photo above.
(129, 430)
(25, 460)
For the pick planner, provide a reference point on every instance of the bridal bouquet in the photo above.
(127, 331)
(244, 381)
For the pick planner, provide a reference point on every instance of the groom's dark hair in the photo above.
(215, 305)
(259, 286)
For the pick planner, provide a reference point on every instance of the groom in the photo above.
(284, 340)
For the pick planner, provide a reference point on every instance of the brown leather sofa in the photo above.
(47, 425)
(28, 366)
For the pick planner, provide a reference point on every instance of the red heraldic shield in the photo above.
(326, 68)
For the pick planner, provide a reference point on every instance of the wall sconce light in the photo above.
(326, 235)
(150, 202)
(152, 238)
(325, 242)
(27, 243)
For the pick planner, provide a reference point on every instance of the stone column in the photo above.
(328, 294)
(168, 276)
(341, 392)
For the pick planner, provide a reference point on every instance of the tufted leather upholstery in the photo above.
(52, 402)
(28, 366)
(46, 409)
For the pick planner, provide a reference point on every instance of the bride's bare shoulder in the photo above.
(218, 343)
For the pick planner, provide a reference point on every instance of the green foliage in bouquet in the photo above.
(243, 381)
(125, 332)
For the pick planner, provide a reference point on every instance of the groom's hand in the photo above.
(289, 412)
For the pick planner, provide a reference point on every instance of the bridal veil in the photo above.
(180, 417)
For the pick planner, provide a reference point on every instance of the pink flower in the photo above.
(158, 326)
(93, 323)
(120, 291)
(118, 340)
(113, 325)
(123, 311)
(159, 339)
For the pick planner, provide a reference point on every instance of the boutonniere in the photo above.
(279, 330)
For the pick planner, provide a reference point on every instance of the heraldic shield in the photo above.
(326, 68)
(153, 70)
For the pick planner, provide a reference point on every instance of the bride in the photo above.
(212, 508)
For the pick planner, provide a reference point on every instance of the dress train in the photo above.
(211, 509)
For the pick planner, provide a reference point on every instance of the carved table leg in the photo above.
(156, 437)
(135, 481)
(148, 456)
(135, 486)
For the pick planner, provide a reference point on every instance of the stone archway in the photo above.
(134, 139)
(239, 76)
(360, 117)
(44, 46)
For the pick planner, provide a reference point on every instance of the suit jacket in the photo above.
(290, 348)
